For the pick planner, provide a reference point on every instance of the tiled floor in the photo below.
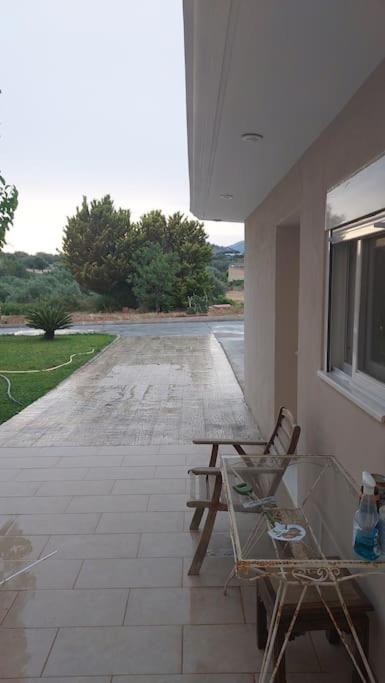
(115, 600)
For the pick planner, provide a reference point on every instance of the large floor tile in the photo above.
(183, 606)
(214, 572)
(163, 472)
(23, 651)
(56, 524)
(140, 521)
(91, 461)
(17, 488)
(25, 548)
(150, 486)
(20, 462)
(7, 475)
(165, 502)
(301, 656)
(116, 650)
(93, 546)
(217, 649)
(51, 474)
(50, 573)
(182, 544)
(110, 503)
(221, 520)
(52, 608)
(130, 573)
(60, 679)
(182, 678)
(13, 505)
(74, 488)
(332, 658)
(103, 473)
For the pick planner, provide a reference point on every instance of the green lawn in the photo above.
(30, 353)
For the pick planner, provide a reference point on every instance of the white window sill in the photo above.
(372, 406)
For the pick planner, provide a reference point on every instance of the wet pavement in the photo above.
(141, 390)
(96, 472)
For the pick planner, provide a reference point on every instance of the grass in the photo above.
(30, 353)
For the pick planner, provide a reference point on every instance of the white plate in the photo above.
(287, 532)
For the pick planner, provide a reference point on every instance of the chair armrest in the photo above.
(214, 471)
(228, 442)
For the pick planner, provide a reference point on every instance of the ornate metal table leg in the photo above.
(275, 619)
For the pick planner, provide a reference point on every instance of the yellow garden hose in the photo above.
(26, 372)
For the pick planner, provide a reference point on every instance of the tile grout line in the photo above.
(126, 607)
(49, 651)
(73, 587)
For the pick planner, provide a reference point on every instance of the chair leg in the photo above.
(201, 550)
(196, 520)
(214, 455)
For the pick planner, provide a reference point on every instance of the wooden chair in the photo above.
(207, 481)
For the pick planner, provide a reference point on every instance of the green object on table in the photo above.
(243, 489)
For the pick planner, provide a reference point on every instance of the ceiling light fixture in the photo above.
(251, 137)
(226, 195)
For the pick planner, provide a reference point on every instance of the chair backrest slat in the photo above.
(284, 438)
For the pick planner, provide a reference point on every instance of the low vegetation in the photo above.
(33, 353)
(49, 318)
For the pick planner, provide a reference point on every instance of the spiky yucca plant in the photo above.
(49, 317)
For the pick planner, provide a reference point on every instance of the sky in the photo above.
(93, 103)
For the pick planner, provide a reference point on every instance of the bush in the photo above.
(197, 303)
(14, 308)
(49, 318)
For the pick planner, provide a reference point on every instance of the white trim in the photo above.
(357, 230)
(343, 384)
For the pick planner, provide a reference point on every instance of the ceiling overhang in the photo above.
(281, 69)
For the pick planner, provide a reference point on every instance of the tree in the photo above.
(186, 239)
(8, 204)
(154, 279)
(98, 246)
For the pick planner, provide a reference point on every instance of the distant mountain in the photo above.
(231, 249)
(238, 246)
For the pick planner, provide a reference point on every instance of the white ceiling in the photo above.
(283, 68)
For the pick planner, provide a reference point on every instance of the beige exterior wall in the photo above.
(330, 422)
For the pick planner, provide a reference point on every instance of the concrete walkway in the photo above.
(90, 471)
(142, 390)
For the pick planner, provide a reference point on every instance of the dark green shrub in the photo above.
(49, 318)
(14, 308)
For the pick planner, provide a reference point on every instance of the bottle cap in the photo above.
(369, 483)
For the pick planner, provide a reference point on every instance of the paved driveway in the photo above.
(141, 390)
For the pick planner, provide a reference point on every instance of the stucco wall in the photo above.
(330, 422)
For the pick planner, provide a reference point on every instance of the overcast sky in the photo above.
(93, 102)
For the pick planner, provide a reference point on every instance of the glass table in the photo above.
(291, 519)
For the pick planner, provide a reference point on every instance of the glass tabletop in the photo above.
(292, 514)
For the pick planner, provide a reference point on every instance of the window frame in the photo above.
(353, 379)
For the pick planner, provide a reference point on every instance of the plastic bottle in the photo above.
(365, 531)
(381, 529)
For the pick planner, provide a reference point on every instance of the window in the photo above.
(356, 344)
